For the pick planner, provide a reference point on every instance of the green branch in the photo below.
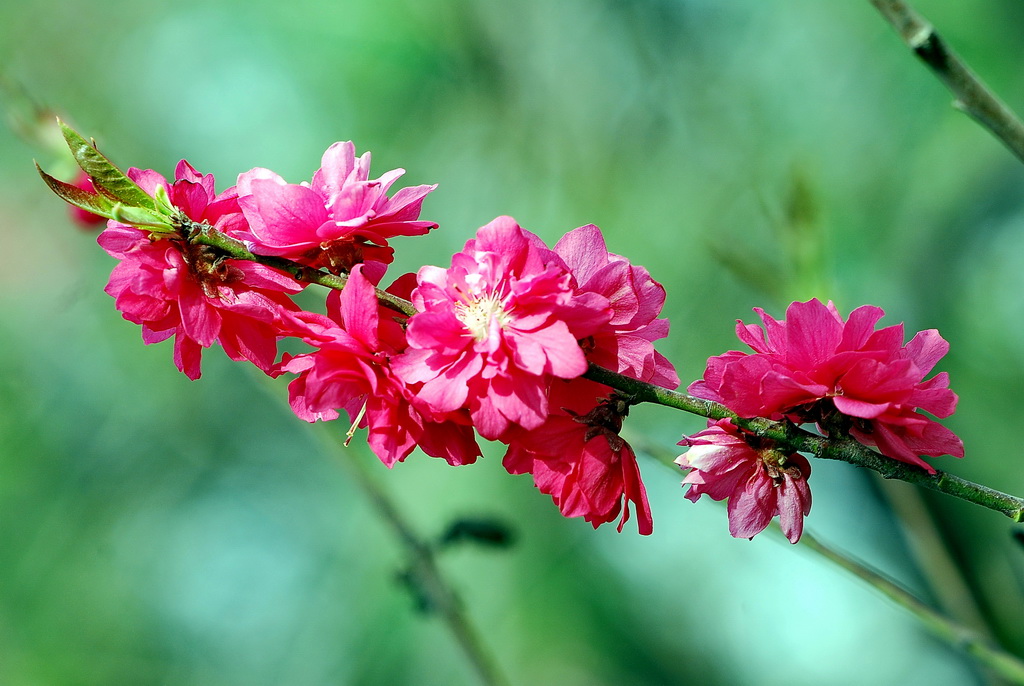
(972, 96)
(204, 234)
(832, 448)
(782, 432)
(424, 571)
(957, 634)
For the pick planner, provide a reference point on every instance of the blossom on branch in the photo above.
(351, 370)
(175, 288)
(341, 219)
(494, 329)
(500, 341)
(577, 457)
(625, 343)
(759, 483)
(842, 375)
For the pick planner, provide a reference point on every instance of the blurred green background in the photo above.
(159, 531)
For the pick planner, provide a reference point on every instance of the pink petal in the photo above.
(359, 309)
(290, 214)
(926, 348)
(859, 408)
(859, 327)
(812, 334)
(751, 507)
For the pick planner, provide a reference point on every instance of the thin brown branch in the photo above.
(972, 95)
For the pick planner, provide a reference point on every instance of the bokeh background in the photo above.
(159, 531)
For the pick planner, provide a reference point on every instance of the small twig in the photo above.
(206, 235)
(423, 569)
(933, 557)
(845, 449)
(429, 580)
(972, 96)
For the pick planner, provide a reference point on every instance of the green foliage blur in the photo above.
(748, 153)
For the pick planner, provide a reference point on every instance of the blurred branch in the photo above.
(28, 118)
(971, 642)
(436, 592)
(934, 561)
(972, 96)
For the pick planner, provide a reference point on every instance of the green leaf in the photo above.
(104, 174)
(140, 216)
(163, 201)
(73, 195)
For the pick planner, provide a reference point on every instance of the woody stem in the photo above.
(967, 639)
(204, 234)
(832, 448)
(972, 95)
(782, 432)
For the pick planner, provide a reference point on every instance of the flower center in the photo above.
(209, 269)
(477, 314)
(605, 419)
(775, 466)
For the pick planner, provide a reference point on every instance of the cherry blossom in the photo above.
(341, 219)
(577, 457)
(350, 370)
(492, 331)
(625, 343)
(499, 343)
(759, 483)
(174, 288)
(815, 367)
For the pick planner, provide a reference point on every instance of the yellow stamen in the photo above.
(477, 314)
(355, 423)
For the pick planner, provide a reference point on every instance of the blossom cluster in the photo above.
(495, 345)
(845, 377)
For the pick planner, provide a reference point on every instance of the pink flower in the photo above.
(758, 483)
(339, 220)
(173, 288)
(494, 329)
(577, 457)
(195, 195)
(625, 343)
(351, 371)
(814, 367)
